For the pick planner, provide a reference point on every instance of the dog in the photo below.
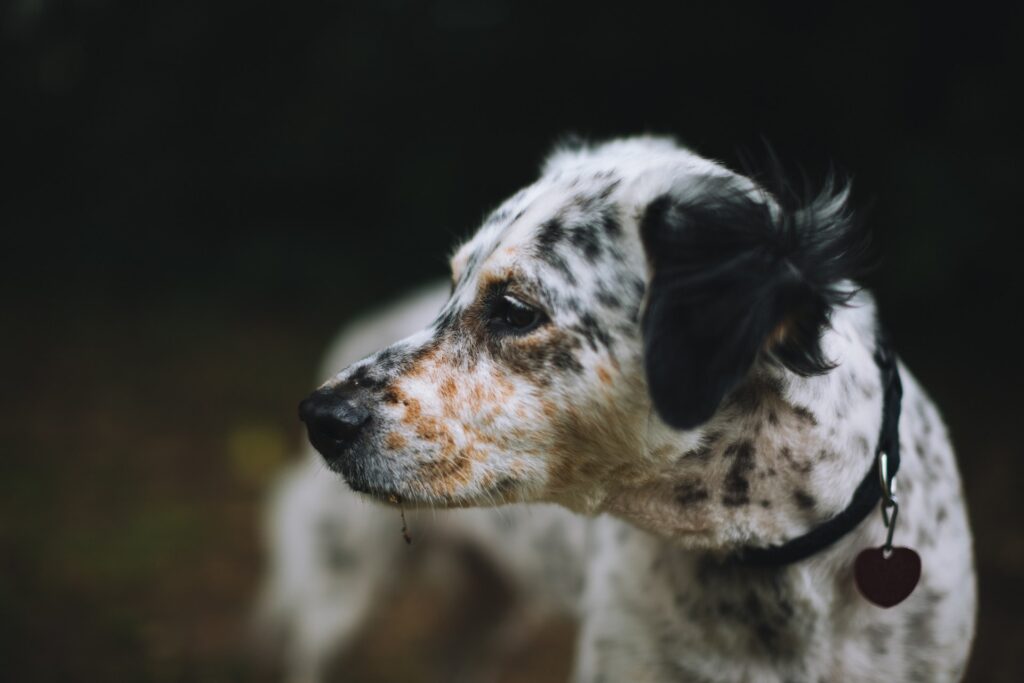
(658, 367)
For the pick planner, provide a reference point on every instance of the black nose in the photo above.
(334, 417)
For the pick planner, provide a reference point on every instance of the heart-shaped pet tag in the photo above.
(887, 581)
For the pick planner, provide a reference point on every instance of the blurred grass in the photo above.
(141, 444)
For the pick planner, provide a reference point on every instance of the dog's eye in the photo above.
(515, 316)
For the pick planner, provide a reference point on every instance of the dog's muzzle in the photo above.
(334, 418)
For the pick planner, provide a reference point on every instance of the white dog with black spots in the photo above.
(652, 364)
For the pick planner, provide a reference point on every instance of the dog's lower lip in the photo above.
(377, 494)
(402, 500)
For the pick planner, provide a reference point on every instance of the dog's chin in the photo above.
(411, 496)
(378, 477)
(380, 494)
(373, 488)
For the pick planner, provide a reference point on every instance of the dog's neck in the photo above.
(782, 454)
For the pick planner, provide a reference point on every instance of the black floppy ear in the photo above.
(734, 277)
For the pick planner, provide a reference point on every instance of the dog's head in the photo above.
(618, 299)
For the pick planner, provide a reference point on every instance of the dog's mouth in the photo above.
(380, 494)
(416, 496)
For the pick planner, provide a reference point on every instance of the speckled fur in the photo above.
(465, 418)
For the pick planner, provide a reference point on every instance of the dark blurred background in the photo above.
(197, 195)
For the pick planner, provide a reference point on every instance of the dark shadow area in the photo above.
(198, 195)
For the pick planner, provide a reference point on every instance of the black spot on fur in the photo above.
(370, 376)
(702, 452)
(801, 466)
(555, 259)
(564, 359)
(597, 337)
(550, 234)
(388, 363)
(738, 604)
(608, 299)
(805, 416)
(473, 261)
(804, 500)
(690, 492)
(728, 276)
(572, 304)
(604, 194)
(585, 239)
(766, 630)
(388, 360)
(610, 223)
(737, 486)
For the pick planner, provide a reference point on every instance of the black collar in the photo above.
(868, 494)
